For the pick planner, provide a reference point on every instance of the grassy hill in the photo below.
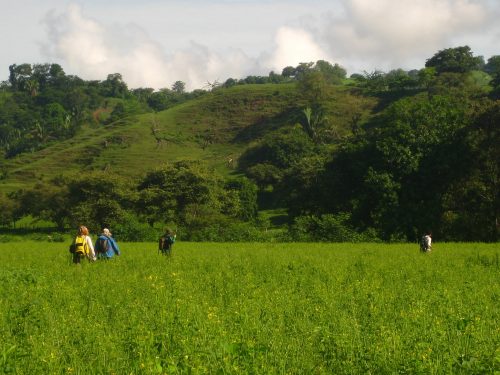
(216, 127)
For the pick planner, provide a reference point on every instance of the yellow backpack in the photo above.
(81, 246)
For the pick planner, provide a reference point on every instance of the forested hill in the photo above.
(378, 156)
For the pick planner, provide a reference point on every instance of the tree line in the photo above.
(187, 195)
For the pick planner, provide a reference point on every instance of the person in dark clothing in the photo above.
(166, 242)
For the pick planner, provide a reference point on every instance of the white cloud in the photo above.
(388, 34)
(215, 41)
(293, 46)
(95, 50)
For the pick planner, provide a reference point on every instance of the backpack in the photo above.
(165, 242)
(424, 243)
(102, 245)
(80, 245)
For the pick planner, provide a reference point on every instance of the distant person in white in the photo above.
(426, 243)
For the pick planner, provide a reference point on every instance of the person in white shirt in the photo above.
(426, 243)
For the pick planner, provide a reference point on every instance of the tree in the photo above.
(313, 122)
(142, 94)
(119, 112)
(8, 211)
(275, 78)
(240, 199)
(166, 192)
(45, 202)
(32, 87)
(472, 203)
(179, 87)
(399, 80)
(114, 86)
(99, 198)
(56, 72)
(455, 60)
(264, 174)
(19, 74)
(281, 149)
(298, 186)
(333, 74)
(493, 68)
(493, 65)
(375, 81)
(230, 82)
(314, 88)
(303, 68)
(289, 72)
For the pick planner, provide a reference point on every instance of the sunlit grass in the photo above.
(251, 308)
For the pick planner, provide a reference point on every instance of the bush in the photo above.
(224, 231)
(131, 229)
(6, 238)
(328, 228)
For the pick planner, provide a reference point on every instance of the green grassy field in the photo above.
(251, 308)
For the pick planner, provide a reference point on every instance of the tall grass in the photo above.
(251, 308)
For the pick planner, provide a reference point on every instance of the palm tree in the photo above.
(32, 87)
(312, 123)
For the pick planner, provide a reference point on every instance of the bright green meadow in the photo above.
(251, 309)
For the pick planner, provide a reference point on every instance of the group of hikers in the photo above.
(105, 246)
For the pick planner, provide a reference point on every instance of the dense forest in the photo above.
(378, 156)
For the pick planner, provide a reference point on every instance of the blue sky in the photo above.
(153, 43)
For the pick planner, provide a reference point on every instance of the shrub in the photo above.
(131, 229)
(328, 228)
(225, 231)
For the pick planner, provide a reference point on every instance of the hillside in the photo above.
(216, 127)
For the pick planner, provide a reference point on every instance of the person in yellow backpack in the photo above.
(82, 246)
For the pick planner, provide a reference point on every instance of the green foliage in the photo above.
(241, 199)
(399, 151)
(333, 74)
(175, 186)
(493, 65)
(472, 205)
(129, 228)
(114, 86)
(328, 228)
(224, 230)
(8, 211)
(314, 88)
(280, 149)
(455, 60)
(264, 174)
(45, 202)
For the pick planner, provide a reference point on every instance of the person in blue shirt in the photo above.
(106, 246)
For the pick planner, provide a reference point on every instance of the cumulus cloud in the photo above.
(95, 50)
(357, 34)
(390, 34)
(293, 46)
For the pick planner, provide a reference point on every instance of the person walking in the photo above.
(426, 242)
(82, 246)
(106, 246)
(166, 242)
